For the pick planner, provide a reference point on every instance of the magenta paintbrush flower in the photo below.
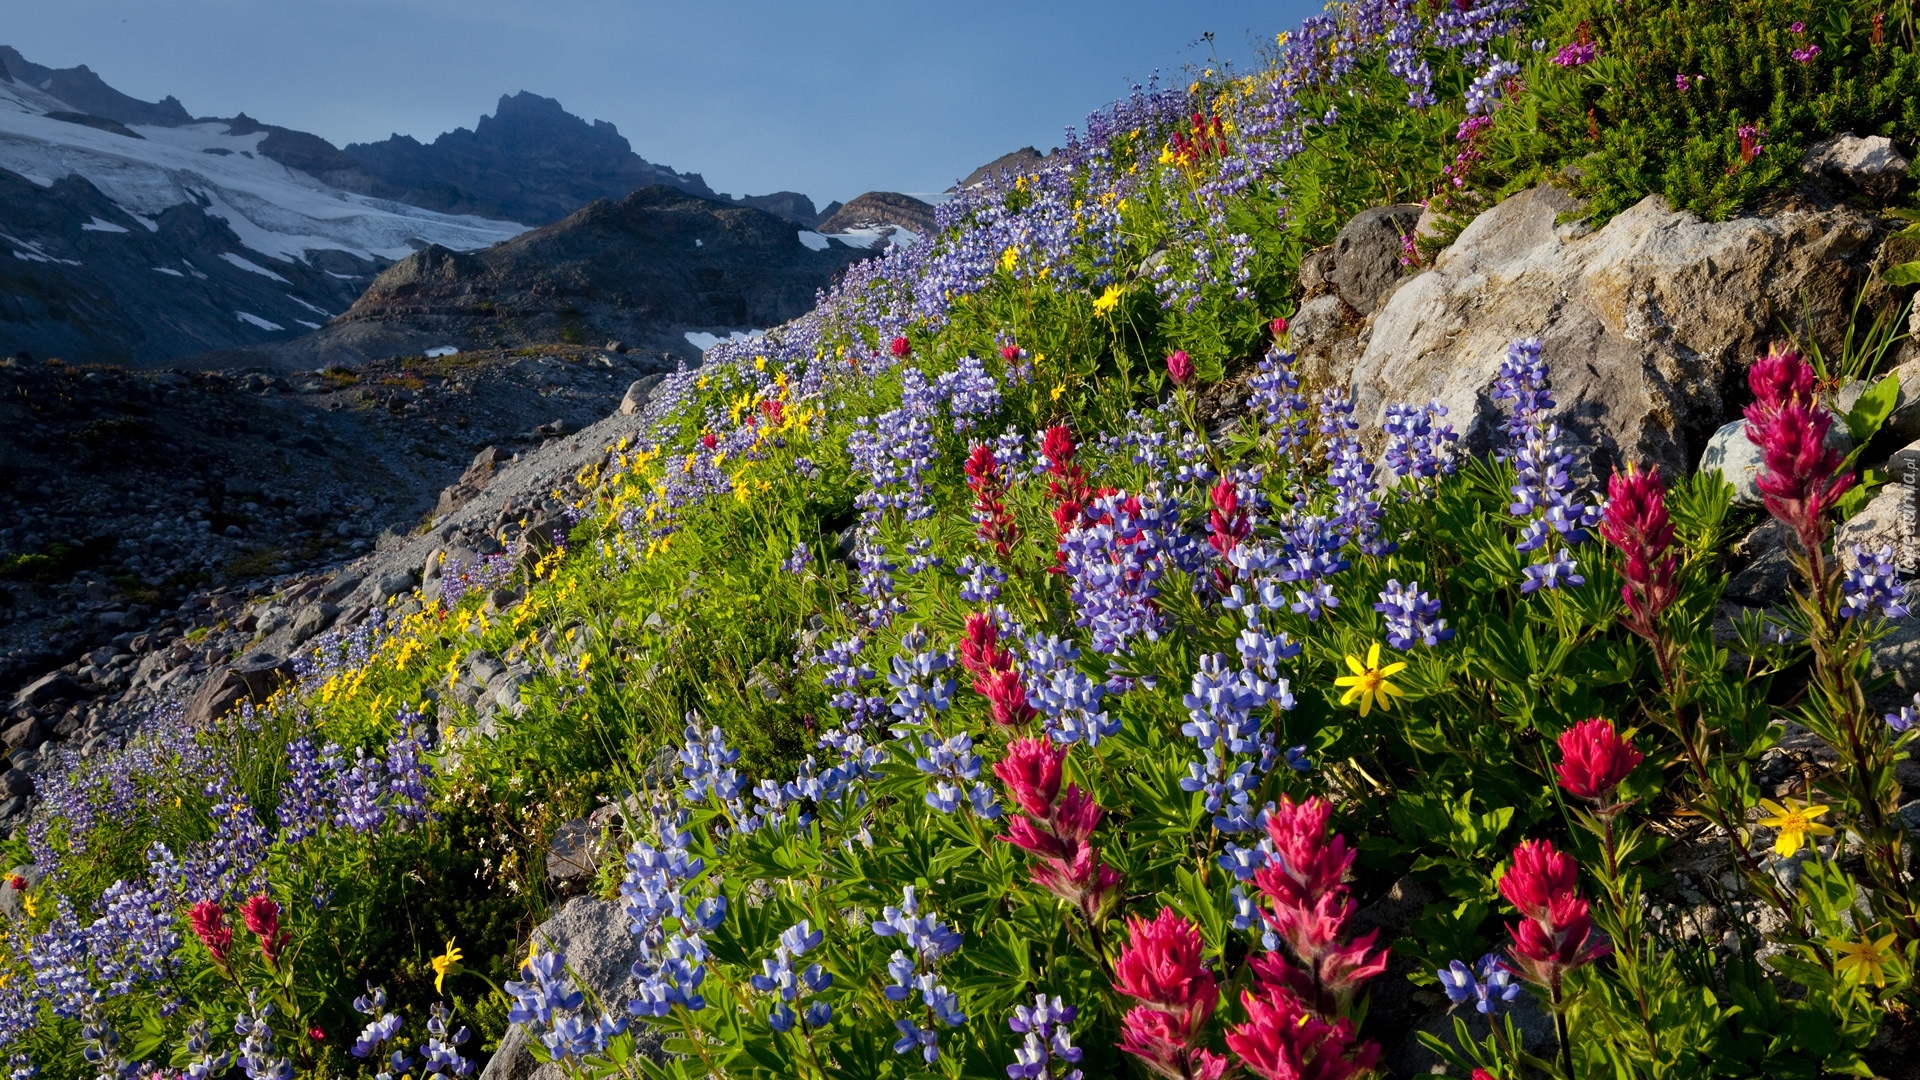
(1594, 759)
(1636, 522)
(1179, 367)
(1282, 1041)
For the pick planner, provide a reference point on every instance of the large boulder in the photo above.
(1648, 322)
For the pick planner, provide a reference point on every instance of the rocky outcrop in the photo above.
(879, 210)
(531, 162)
(1024, 160)
(1648, 322)
(791, 205)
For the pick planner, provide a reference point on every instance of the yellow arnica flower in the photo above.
(1864, 960)
(1795, 822)
(444, 963)
(1368, 684)
(1107, 301)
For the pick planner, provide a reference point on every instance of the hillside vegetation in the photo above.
(1015, 667)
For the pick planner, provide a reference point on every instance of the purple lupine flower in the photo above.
(407, 769)
(1484, 91)
(921, 690)
(441, 1054)
(1576, 54)
(798, 562)
(1044, 1024)
(1903, 720)
(956, 772)
(1417, 445)
(1068, 699)
(1355, 513)
(790, 985)
(971, 393)
(1277, 400)
(1555, 572)
(1237, 750)
(1488, 984)
(1873, 584)
(1410, 616)
(362, 791)
(917, 974)
(1543, 491)
(306, 799)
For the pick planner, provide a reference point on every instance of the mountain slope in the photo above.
(646, 270)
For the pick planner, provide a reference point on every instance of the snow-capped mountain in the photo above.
(146, 241)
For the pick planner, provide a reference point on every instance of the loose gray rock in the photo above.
(1870, 162)
(49, 687)
(311, 621)
(639, 394)
(1367, 252)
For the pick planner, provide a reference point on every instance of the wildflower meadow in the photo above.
(1021, 666)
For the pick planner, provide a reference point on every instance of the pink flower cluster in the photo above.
(1058, 826)
(1555, 934)
(992, 669)
(1800, 479)
(1636, 522)
(1309, 906)
(1163, 968)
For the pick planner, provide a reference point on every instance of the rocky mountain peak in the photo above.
(88, 93)
(530, 161)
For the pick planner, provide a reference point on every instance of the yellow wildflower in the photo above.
(1863, 960)
(1368, 684)
(446, 962)
(1107, 301)
(1009, 257)
(1795, 824)
(1058, 389)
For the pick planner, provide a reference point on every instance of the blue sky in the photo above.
(827, 98)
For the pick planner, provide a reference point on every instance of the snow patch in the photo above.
(308, 325)
(99, 225)
(442, 350)
(705, 341)
(255, 320)
(814, 240)
(169, 270)
(30, 252)
(317, 311)
(253, 267)
(699, 243)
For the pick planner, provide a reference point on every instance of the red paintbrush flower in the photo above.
(209, 922)
(1637, 523)
(262, 916)
(1179, 367)
(1556, 933)
(1282, 1041)
(1594, 759)
(1031, 771)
